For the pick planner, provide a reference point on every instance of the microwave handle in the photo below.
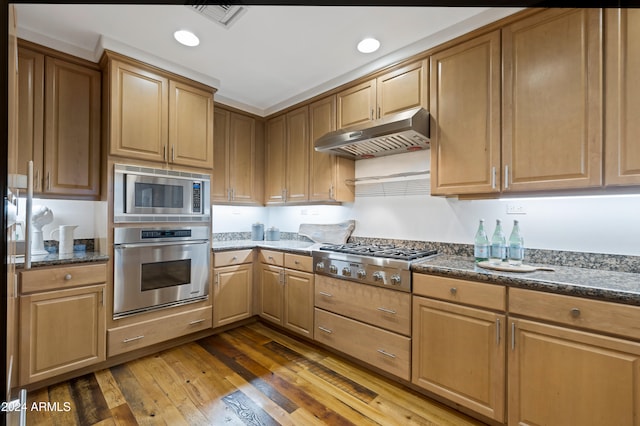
(169, 243)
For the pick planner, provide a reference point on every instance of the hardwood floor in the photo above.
(252, 375)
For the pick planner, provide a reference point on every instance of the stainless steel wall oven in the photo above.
(159, 267)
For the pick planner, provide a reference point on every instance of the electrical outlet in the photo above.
(515, 209)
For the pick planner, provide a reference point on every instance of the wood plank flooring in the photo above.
(252, 375)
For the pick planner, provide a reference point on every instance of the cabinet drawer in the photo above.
(383, 349)
(230, 258)
(42, 279)
(607, 317)
(135, 336)
(488, 296)
(272, 257)
(299, 262)
(381, 307)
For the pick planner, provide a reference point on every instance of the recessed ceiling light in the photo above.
(186, 37)
(368, 45)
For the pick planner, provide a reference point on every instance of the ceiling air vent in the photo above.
(223, 14)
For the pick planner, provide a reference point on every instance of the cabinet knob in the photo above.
(575, 312)
(234, 258)
(453, 291)
(67, 277)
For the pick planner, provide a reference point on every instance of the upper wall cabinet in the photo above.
(59, 123)
(552, 101)
(157, 116)
(622, 97)
(465, 105)
(402, 88)
(237, 172)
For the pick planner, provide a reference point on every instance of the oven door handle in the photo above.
(171, 243)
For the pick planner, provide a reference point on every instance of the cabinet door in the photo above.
(232, 294)
(553, 101)
(61, 331)
(357, 104)
(271, 293)
(297, 155)
(275, 160)
(139, 113)
(559, 376)
(322, 166)
(31, 113)
(465, 107)
(72, 129)
(242, 158)
(459, 353)
(404, 88)
(622, 97)
(298, 302)
(190, 125)
(220, 182)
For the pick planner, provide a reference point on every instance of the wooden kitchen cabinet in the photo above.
(157, 116)
(622, 97)
(238, 158)
(62, 320)
(232, 286)
(287, 158)
(465, 108)
(286, 294)
(453, 342)
(59, 122)
(397, 90)
(552, 101)
(328, 173)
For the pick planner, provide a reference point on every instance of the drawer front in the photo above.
(272, 257)
(299, 262)
(388, 351)
(136, 336)
(230, 258)
(42, 279)
(488, 296)
(381, 307)
(607, 317)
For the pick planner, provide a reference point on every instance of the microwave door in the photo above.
(156, 195)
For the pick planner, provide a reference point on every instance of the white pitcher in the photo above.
(65, 245)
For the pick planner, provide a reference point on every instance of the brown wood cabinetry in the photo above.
(157, 116)
(286, 294)
(453, 342)
(552, 101)
(622, 97)
(238, 158)
(59, 122)
(287, 157)
(399, 89)
(465, 106)
(232, 286)
(328, 173)
(63, 327)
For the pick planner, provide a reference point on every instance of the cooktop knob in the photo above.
(395, 279)
(346, 271)
(361, 273)
(333, 269)
(377, 276)
(320, 266)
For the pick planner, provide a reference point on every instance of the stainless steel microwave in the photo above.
(143, 194)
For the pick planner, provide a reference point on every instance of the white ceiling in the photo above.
(270, 58)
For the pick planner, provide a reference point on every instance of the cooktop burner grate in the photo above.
(383, 250)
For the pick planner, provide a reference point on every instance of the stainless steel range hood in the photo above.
(403, 132)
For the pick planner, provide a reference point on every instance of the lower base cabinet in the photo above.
(232, 294)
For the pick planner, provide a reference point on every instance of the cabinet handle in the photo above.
(48, 181)
(67, 277)
(282, 277)
(387, 311)
(326, 330)
(331, 197)
(233, 194)
(575, 312)
(498, 331)
(385, 353)
(297, 262)
(493, 177)
(173, 153)
(229, 194)
(234, 258)
(371, 113)
(322, 293)
(164, 153)
(379, 112)
(37, 184)
(196, 321)
(506, 176)
(102, 297)
(513, 336)
(217, 279)
(453, 291)
(131, 339)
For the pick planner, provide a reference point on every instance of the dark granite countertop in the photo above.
(54, 259)
(620, 287)
(288, 246)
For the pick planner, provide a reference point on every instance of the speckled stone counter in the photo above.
(289, 246)
(620, 287)
(54, 259)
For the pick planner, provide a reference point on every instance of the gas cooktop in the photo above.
(389, 251)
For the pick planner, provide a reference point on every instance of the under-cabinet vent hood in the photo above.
(222, 14)
(403, 132)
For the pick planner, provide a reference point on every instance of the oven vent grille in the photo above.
(222, 14)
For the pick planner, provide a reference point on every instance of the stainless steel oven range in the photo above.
(379, 265)
(158, 267)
